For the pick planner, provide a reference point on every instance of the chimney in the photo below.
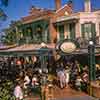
(87, 6)
(58, 4)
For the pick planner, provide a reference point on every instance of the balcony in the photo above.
(83, 42)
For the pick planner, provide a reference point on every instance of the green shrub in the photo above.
(6, 90)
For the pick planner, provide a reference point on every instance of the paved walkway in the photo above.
(66, 94)
(63, 94)
(75, 98)
(32, 98)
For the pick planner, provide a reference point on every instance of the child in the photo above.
(18, 93)
(78, 83)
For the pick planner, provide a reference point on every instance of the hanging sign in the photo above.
(67, 46)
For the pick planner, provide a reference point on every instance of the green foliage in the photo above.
(3, 16)
(9, 38)
(11, 35)
(4, 2)
(6, 91)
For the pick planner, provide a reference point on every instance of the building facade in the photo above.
(39, 25)
(51, 26)
(83, 26)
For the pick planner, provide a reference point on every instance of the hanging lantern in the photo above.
(18, 62)
(34, 59)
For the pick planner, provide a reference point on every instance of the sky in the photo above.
(20, 8)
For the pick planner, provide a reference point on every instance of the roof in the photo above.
(25, 49)
(30, 49)
(68, 17)
(66, 5)
(5, 47)
(36, 14)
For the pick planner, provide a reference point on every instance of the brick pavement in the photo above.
(74, 98)
(63, 94)
(32, 98)
(67, 94)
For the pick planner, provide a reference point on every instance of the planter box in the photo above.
(95, 85)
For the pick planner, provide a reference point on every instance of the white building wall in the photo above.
(98, 26)
(78, 30)
(87, 17)
(83, 17)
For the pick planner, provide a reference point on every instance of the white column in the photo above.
(68, 32)
(78, 30)
(65, 30)
(98, 30)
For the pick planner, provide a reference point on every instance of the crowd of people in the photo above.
(23, 72)
(73, 74)
(26, 73)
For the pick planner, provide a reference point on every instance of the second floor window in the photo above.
(88, 30)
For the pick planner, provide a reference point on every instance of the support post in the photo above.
(91, 51)
(92, 73)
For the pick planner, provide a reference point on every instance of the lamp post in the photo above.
(91, 52)
(43, 47)
(43, 66)
(43, 59)
(91, 55)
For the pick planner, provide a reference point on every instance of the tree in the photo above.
(11, 34)
(4, 2)
(3, 15)
(8, 37)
